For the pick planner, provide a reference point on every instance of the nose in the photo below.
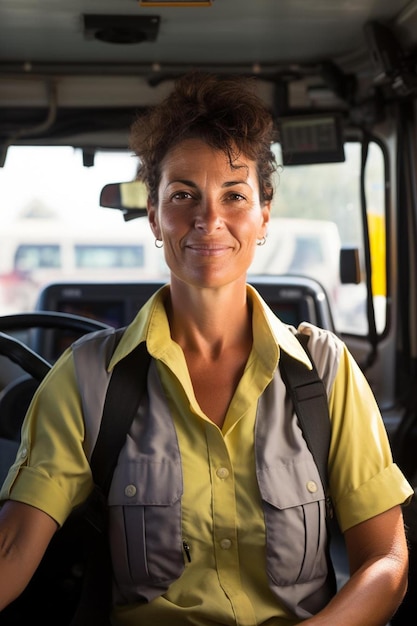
(208, 217)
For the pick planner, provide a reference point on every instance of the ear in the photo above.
(153, 219)
(266, 216)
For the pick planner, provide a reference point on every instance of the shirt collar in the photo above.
(267, 326)
(151, 325)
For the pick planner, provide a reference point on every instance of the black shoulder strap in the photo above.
(310, 404)
(126, 387)
(124, 393)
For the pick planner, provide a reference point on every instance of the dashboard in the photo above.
(293, 299)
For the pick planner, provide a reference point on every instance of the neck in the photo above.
(209, 321)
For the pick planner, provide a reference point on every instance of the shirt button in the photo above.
(225, 544)
(23, 452)
(222, 472)
(312, 486)
(130, 491)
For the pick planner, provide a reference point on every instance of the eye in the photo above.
(236, 196)
(181, 195)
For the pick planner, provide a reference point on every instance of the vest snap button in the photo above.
(130, 491)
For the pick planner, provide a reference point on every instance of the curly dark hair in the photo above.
(225, 112)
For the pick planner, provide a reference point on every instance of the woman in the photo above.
(210, 519)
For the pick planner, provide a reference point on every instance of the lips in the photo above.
(208, 249)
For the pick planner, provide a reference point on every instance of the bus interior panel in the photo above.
(340, 80)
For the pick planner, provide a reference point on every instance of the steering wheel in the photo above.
(17, 394)
(28, 360)
(19, 353)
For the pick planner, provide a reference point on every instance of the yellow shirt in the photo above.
(222, 519)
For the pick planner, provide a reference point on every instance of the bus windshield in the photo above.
(54, 229)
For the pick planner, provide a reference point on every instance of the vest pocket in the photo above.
(145, 525)
(294, 509)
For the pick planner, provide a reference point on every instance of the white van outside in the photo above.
(302, 247)
(37, 251)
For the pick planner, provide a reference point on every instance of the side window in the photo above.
(319, 208)
(307, 251)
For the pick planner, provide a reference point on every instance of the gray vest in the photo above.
(145, 494)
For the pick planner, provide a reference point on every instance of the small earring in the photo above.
(261, 242)
(159, 243)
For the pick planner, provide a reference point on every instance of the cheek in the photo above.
(251, 234)
(174, 224)
(165, 224)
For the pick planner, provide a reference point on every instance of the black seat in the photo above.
(14, 402)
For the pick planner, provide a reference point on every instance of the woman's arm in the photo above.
(25, 533)
(378, 559)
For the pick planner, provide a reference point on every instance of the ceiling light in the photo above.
(121, 29)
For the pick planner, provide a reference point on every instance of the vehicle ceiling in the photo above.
(61, 83)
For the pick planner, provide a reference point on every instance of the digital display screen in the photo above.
(111, 313)
(311, 139)
(287, 312)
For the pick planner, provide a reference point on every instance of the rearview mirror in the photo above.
(130, 198)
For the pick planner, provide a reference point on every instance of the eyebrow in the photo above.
(235, 182)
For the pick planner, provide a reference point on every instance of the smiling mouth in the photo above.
(208, 249)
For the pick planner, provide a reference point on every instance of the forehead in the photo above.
(195, 155)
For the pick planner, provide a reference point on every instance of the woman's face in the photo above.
(209, 214)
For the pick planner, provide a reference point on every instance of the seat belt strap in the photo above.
(309, 397)
(126, 387)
